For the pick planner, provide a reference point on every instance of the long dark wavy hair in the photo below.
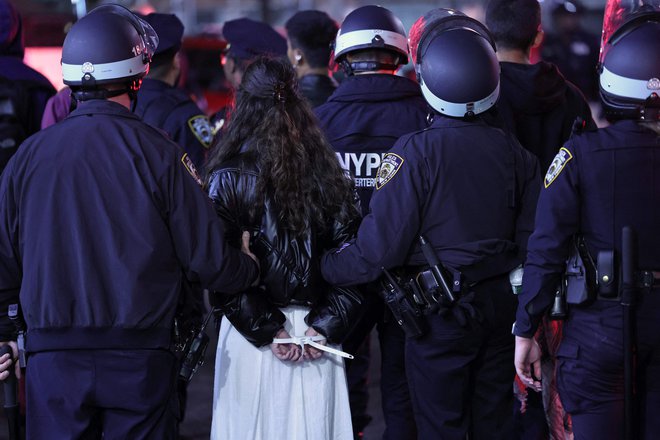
(297, 166)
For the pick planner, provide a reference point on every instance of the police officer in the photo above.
(599, 182)
(246, 40)
(23, 90)
(162, 104)
(470, 189)
(102, 218)
(309, 35)
(362, 119)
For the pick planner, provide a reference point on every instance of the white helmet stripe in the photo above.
(457, 109)
(364, 37)
(107, 71)
(626, 87)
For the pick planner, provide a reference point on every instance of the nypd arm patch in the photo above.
(201, 128)
(557, 166)
(389, 166)
(190, 167)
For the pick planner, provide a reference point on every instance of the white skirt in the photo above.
(258, 397)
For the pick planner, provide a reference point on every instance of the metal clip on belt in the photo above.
(648, 279)
(311, 340)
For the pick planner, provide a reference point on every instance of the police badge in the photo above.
(557, 165)
(388, 168)
(201, 128)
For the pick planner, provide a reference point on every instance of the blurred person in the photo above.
(362, 119)
(58, 107)
(103, 221)
(572, 48)
(23, 90)
(309, 36)
(601, 182)
(246, 39)
(274, 175)
(434, 189)
(538, 105)
(164, 105)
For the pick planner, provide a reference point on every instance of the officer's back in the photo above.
(102, 222)
(469, 189)
(362, 119)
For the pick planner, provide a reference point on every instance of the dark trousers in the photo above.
(461, 376)
(396, 404)
(590, 373)
(126, 394)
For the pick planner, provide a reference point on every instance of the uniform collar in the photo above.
(375, 88)
(440, 121)
(102, 106)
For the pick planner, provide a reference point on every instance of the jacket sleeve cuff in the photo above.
(525, 325)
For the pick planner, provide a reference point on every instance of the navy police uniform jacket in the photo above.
(467, 186)
(364, 118)
(171, 109)
(598, 183)
(100, 220)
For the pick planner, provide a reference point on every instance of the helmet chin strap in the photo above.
(365, 66)
(130, 88)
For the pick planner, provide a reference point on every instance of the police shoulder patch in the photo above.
(190, 167)
(201, 128)
(557, 165)
(389, 166)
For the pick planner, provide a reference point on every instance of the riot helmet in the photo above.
(110, 45)
(457, 68)
(370, 27)
(630, 90)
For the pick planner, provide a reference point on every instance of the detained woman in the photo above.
(279, 366)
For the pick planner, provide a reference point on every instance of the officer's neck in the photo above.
(122, 99)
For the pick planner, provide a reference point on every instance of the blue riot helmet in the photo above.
(630, 67)
(110, 45)
(457, 68)
(370, 27)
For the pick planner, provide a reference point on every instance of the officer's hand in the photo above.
(7, 360)
(245, 248)
(528, 362)
(312, 353)
(285, 352)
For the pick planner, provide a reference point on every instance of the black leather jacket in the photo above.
(290, 273)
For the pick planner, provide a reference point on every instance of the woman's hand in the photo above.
(285, 352)
(312, 353)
